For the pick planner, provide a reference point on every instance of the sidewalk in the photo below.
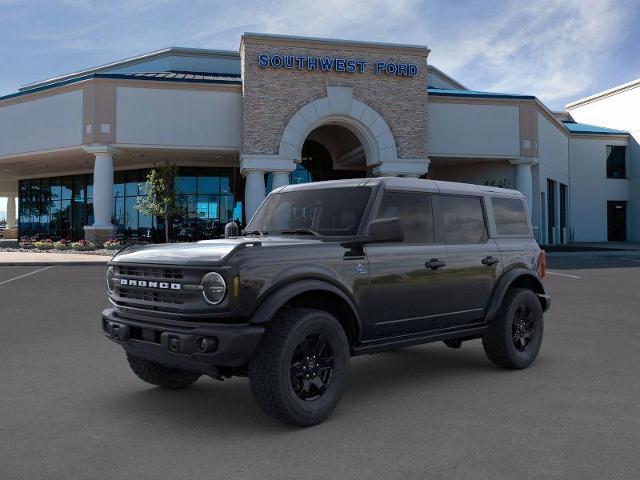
(36, 259)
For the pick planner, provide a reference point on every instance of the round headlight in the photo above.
(110, 279)
(214, 288)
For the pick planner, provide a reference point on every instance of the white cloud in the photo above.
(547, 48)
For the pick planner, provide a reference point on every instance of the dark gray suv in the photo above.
(326, 271)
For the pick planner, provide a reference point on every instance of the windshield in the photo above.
(334, 212)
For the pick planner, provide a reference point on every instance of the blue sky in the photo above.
(557, 50)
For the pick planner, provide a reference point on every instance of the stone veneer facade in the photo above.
(272, 96)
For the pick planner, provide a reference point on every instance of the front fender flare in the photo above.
(504, 283)
(281, 295)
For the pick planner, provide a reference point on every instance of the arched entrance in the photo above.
(333, 152)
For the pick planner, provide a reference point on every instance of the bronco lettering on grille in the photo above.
(148, 284)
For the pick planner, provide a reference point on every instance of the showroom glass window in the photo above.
(616, 161)
(463, 219)
(131, 224)
(56, 207)
(209, 198)
(59, 207)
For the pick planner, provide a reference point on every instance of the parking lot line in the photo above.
(563, 274)
(25, 275)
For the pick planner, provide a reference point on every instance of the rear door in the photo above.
(473, 258)
(407, 280)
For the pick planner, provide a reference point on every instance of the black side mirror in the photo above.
(385, 230)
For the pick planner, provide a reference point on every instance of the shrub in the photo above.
(26, 242)
(45, 244)
(113, 244)
(83, 245)
(62, 245)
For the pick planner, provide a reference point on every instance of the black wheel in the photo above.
(299, 370)
(156, 374)
(514, 337)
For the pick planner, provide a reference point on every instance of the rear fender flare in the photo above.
(505, 282)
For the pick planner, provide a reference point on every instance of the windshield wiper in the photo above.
(300, 231)
(255, 232)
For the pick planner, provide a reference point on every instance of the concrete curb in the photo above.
(94, 263)
(595, 253)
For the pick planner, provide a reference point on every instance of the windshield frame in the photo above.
(362, 227)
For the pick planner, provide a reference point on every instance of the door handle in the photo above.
(434, 264)
(488, 261)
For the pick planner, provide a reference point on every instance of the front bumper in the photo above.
(545, 301)
(199, 348)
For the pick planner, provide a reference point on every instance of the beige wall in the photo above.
(473, 129)
(177, 117)
(272, 96)
(45, 123)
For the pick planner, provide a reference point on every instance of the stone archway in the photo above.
(339, 107)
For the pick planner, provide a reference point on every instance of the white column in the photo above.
(254, 191)
(253, 167)
(280, 179)
(103, 190)
(524, 179)
(11, 211)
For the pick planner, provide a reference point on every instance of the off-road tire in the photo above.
(270, 369)
(498, 341)
(156, 374)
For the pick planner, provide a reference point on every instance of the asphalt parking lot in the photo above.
(70, 407)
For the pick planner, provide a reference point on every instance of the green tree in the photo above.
(502, 183)
(160, 199)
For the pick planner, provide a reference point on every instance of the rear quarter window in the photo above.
(510, 216)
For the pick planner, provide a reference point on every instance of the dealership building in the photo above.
(75, 149)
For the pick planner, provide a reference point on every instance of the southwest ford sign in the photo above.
(335, 64)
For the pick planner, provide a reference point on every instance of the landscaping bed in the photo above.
(99, 251)
(39, 245)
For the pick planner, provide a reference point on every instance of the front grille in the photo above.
(150, 295)
(156, 273)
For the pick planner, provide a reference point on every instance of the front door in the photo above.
(408, 284)
(617, 221)
(474, 259)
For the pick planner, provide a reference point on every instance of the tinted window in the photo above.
(326, 211)
(616, 162)
(414, 209)
(463, 219)
(510, 215)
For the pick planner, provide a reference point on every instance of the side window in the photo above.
(414, 209)
(463, 219)
(510, 216)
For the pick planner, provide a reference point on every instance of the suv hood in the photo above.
(208, 252)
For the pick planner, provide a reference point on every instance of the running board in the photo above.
(392, 343)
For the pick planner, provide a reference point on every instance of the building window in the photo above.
(209, 198)
(59, 207)
(616, 163)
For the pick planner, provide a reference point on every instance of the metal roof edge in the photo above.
(131, 61)
(605, 93)
(447, 77)
(337, 41)
(123, 76)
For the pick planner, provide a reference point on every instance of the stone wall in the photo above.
(271, 96)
